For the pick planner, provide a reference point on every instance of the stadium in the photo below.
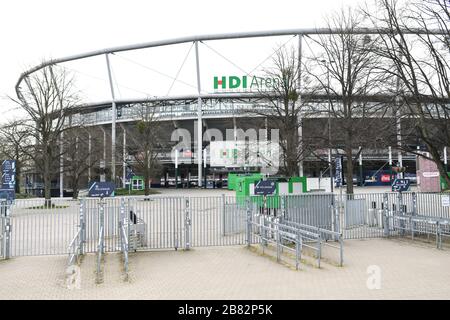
(224, 96)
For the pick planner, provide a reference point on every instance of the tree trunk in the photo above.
(75, 189)
(18, 167)
(349, 171)
(47, 186)
(147, 173)
(146, 179)
(17, 186)
(291, 151)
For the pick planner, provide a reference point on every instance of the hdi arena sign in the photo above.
(244, 83)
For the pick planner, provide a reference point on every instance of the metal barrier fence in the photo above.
(36, 227)
(124, 249)
(280, 232)
(124, 235)
(272, 232)
(76, 246)
(42, 228)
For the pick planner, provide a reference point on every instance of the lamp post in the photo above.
(176, 169)
(204, 166)
(330, 159)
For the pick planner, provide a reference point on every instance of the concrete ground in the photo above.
(407, 270)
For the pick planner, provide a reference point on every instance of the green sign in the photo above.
(245, 82)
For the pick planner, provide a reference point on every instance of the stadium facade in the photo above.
(236, 102)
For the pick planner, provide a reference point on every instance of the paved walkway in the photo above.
(408, 271)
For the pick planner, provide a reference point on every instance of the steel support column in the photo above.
(61, 165)
(199, 120)
(102, 176)
(124, 158)
(90, 156)
(300, 125)
(113, 122)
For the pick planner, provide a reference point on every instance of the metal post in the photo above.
(398, 121)
(7, 234)
(445, 159)
(300, 126)
(199, 119)
(204, 165)
(82, 225)
(124, 151)
(102, 226)
(283, 209)
(223, 214)
(438, 235)
(341, 250)
(89, 157)
(400, 212)
(414, 212)
(234, 138)
(103, 163)
(249, 223)
(61, 165)
(113, 122)
(297, 251)
(176, 168)
(122, 209)
(278, 245)
(330, 159)
(187, 224)
(386, 214)
(390, 165)
(331, 169)
(361, 178)
(319, 248)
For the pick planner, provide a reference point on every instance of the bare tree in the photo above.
(145, 145)
(344, 69)
(420, 62)
(78, 157)
(47, 97)
(285, 107)
(13, 136)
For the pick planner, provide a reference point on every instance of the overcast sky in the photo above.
(32, 31)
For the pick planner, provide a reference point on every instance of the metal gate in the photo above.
(38, 227)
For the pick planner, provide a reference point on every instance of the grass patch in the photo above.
(126, 192)
(24, 196)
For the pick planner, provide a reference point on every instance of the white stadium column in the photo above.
(300, 126)
(113, 122)
(199, 120)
